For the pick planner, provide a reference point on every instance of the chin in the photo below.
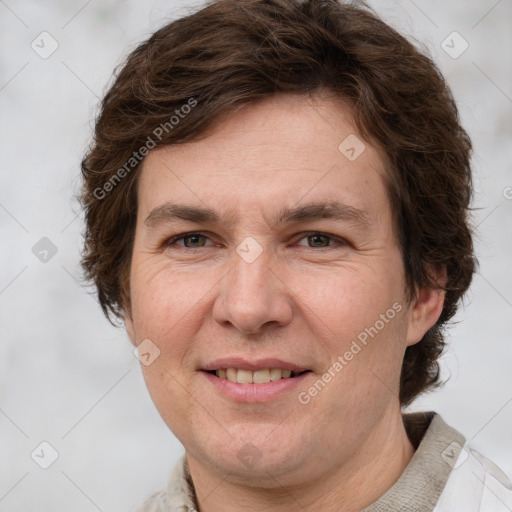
(255, 458)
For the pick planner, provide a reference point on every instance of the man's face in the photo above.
(274, 283)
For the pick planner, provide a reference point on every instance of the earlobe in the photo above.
(425, 309)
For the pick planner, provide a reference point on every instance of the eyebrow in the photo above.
(333, 210)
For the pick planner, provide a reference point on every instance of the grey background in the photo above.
(67, 377)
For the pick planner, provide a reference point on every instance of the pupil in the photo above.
(316, 237)
(194, 239)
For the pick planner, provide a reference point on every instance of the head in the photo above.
(258, 112)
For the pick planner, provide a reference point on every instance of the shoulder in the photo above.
(475, 484)
(450, 471)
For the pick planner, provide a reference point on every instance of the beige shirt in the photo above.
(418, 489)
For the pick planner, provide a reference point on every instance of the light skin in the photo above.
(317, 284)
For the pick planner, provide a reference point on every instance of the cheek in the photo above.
(346, 300)
(358, 317)
(166, 299)
(169, 392)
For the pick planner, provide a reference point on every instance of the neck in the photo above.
(349, 486)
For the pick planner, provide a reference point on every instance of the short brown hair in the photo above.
(235, 52)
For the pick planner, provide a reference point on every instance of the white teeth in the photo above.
(261, 376)
(244, 377)
(275, 374)
(248, 377)
(230, 374)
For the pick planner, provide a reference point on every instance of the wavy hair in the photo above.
(234, 52)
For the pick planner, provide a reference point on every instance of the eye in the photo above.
(321, 240)
(196, 240)
(190, 240)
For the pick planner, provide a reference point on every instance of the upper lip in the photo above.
(258, 364)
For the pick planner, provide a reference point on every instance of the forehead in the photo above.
(279, 152)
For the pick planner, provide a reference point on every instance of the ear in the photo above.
(130, 328)
(426, 308)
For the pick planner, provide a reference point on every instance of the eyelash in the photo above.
(171, 241)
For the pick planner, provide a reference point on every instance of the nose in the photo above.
(252, 297)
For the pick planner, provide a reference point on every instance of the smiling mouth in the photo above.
(255, 377)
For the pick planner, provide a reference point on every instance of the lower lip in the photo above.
(254, 393)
